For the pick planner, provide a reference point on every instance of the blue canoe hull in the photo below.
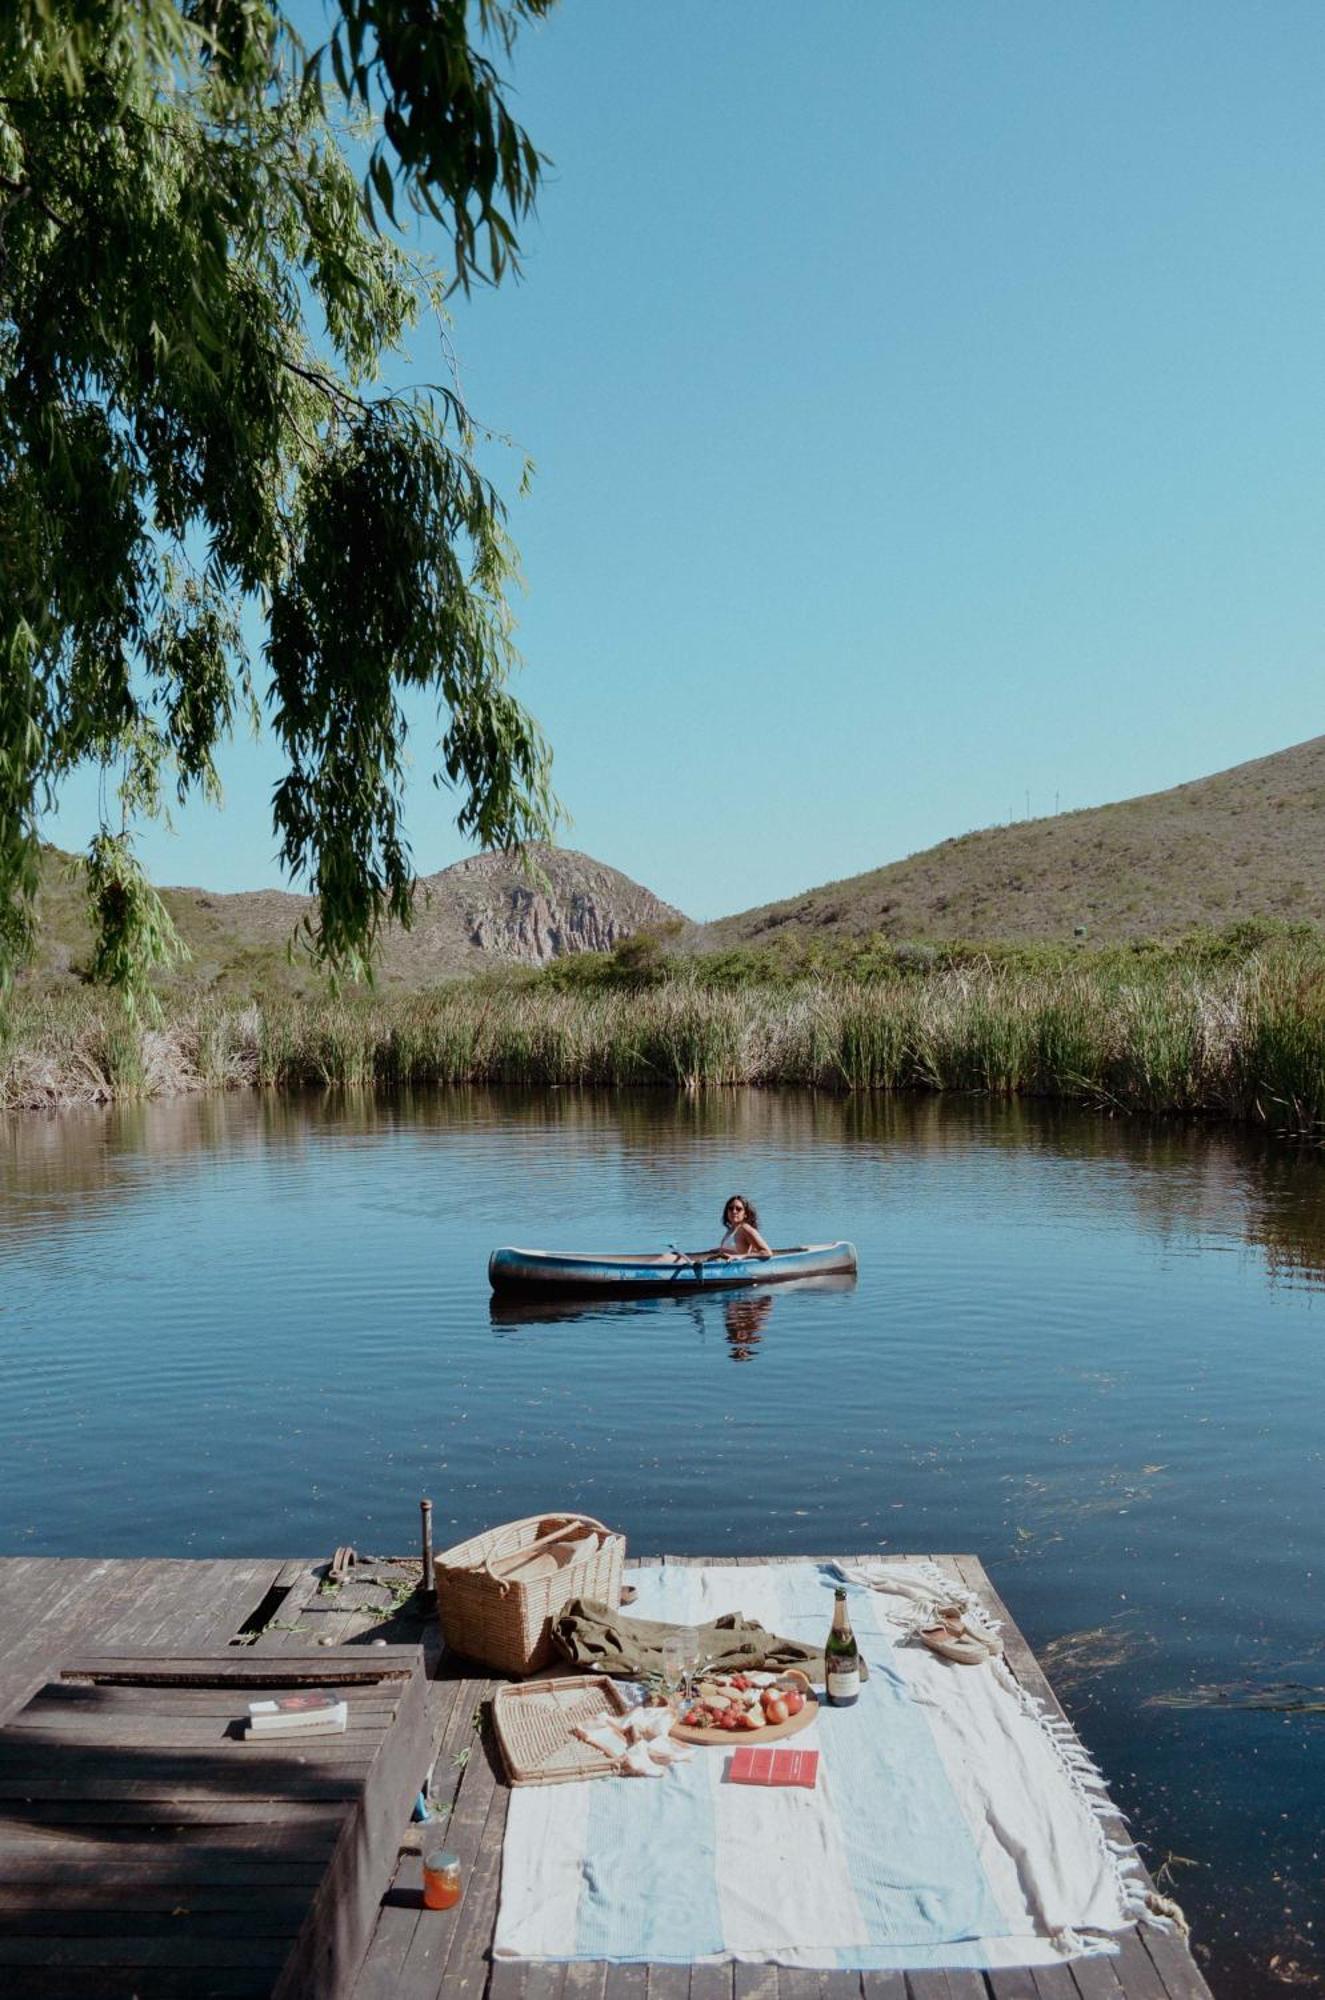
(563, 1274)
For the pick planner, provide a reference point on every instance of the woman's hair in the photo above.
(751, 1212)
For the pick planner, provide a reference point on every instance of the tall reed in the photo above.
(1242, 1040)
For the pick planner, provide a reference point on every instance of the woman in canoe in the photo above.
(740, 1220)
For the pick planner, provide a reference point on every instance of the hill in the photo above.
(483, 912)
(1245, 843)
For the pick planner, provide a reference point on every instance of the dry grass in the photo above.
(1242, 844)
(1243, 1042)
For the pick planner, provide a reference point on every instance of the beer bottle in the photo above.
(841, 1658)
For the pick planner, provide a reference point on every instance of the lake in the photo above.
(1089, 1351)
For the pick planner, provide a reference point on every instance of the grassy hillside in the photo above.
(1247, 843)
(486, 912)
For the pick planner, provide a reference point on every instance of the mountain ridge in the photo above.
(483, 911)
(1241, 844)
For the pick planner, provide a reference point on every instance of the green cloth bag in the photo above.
(607, 1642)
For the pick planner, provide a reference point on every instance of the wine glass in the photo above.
(689, 1637)
(674, 1663)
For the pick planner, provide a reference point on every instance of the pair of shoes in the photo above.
(952, 1639)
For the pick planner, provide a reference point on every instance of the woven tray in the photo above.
(535, 1721)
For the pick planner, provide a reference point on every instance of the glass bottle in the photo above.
(841, 1657)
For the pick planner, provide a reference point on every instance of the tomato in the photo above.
(776, 1711)
(793, 1702)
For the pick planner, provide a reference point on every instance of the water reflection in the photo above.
(676, 1153)
(662, 1312)
(1089, 1350)
(743, 1314)
(745, 1318)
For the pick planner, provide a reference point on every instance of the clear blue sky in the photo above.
(927, 407)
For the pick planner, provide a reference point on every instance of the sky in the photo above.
(926, 405)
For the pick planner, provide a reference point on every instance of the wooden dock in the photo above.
(54, 1612)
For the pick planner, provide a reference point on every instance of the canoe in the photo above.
(565, 1273)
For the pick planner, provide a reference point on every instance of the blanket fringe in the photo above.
(1138, 1900)
(1088, 1782)
(1084, 1944)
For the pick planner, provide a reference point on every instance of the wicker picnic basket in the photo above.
(498, 1593)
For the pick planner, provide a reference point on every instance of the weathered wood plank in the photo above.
(430, 1948)
(145, 1953)
(73, 1763)
(1019, 1984)
(393, 1932)
(627, 1982)
(38, 1626)
(883, 1985)
(1136, 1970)
(840, 1985)
(1095, 1979)
(1171, 1958)
(586, 1979)
(127, 1730)
(339, 1926)
(710, 1982)
(67, 1701)
(163, 1812)
(928, 1985)
(402, 1907)
(479, 1820)
(246, 1667)
(966, 1985)
(167, 1983)
(204, 1886)
(259, 1914)
(219, 1855)
(1052, 1982)
(672, 1982)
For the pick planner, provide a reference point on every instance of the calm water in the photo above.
(1090, 1352)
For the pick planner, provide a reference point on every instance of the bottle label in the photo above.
(843, 1683)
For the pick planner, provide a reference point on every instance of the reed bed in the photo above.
(1243, 1042)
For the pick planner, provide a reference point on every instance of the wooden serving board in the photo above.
(772, 1732)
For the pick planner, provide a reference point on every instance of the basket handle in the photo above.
(558, 1534)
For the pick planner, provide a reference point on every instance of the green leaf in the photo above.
(200, 277)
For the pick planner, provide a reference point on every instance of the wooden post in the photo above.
(427, 1587)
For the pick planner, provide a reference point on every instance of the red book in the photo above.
(750, 1766)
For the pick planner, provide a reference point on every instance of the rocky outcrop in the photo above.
(564, 902)
(493, 909)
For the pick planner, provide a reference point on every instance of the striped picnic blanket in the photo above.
(953, 1824)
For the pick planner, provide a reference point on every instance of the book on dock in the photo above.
(299, 1712)
(750, 1766)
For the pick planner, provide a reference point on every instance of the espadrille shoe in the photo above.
(954, 1618)
(961, 1646)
